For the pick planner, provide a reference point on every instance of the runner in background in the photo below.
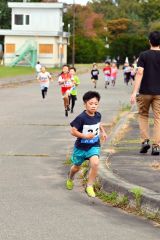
(94, 74)
(43, 78)
(114, 71)
(38, 68)
(73, 93)
(107, 73)
(66, 84)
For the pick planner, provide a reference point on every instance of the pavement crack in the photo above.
(24, 155)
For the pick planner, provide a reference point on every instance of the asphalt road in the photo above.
(35, 142)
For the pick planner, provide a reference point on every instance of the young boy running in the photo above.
(43, 78)
(87, 127)
(66, 84)
(73, 92)
(94, 75)
(107, 73)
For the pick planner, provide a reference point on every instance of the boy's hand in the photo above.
(104, 137)
(133, 98)
(89, 136)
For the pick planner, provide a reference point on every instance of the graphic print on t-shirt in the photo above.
(91, 129)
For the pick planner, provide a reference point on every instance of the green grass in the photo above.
(19, 70)
(6, 71)
(15, 71)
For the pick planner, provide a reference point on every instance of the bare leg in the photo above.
(66, 101)
(74, 169)
(94, 163)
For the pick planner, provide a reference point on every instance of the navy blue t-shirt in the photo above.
(87, 124)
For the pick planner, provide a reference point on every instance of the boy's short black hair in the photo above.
(154, 38)
(73, 68)
(107, 62)
(91, 94)
(65, 65)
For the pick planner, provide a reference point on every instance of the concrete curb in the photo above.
(111, 182)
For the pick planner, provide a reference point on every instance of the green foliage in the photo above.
(87, 50)
(125, 107)
(122, 201)
(5, 13)
(137, 193)
(154, 26)
(125, 24)
(108, 197)
(150, 11)
(128, 45)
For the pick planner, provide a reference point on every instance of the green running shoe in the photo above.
(90, 191)
(69, 184)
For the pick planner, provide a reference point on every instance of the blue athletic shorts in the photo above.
(79, 155)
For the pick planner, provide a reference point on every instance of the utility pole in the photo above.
(73, 34)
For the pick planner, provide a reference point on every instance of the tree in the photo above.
(150, 11)
(154, 26)
(88, 50)
(5, 13)
(89, 34)
(129, 45)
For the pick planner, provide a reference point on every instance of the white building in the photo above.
(36, 34)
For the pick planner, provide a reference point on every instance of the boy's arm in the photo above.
(138, 80)
(60, 80)
(77, 82)
(78, 134)
(51, 78)
(103, 132)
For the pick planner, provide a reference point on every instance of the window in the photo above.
(10, 48)
(45, 48)
(18, 19)
(27, 20)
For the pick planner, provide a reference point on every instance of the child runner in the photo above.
(107, 73)
(127, 73)
(133, 73)
(114, 71)
(38, 68)
(87, 127)
(73, 92)
(66, 84)
(94, 74)
(43, 78)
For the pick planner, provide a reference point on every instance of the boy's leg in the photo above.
(106, 84)
(74, 169)
(66, 101)
(45, 90)
(43, 95)
(143, 103)
(77, 158)
(73, 100)
(156, 114)
(94, 164)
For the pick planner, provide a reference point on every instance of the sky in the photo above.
(83, 2)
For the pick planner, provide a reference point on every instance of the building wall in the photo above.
(49, 51)
(39, 20)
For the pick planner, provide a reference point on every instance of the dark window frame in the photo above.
(27, 19)
(18, 19)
